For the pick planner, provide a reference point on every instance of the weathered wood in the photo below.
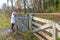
(30, 22)
(22, 23)
(45, 35)
(22, 17)
(57, 26)
(40, 38)
(54, 32)
(58, 34)
(22, 27)
(37, 24)
(41, 27)
(46, 21)
(42, 20)
(46, 13)
(48, 24)
(49, 30)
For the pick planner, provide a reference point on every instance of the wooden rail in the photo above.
(37, 29)
(48, 25)
(39, 37)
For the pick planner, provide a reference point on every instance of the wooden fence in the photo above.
(47, 31)
(43, 29)
(22, 23)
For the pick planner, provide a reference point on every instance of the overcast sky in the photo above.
(1, 2)
(5, 1)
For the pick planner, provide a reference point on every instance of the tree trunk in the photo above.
(24, 6)
(12, 3)
(7, 4)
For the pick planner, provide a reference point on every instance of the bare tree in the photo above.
(24, 6)
(7, 4)
(12, 3)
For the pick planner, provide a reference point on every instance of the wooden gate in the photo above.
(22, 23)
(43, 29)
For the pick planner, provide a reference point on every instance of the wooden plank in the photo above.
(45, 35)
(54, 32)
(30, 22)
(23, 26)
(46, 13)
(41, 27)
(49, 30)
(42, 20)
(47, 21)
(58, 34)
(40, 38)
(57, 26)
(37, 24)
(23, 17)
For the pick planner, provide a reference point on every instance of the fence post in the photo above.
(16, 25)
(54, 31)
(30, 22)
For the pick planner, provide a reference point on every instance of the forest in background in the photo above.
(33, 6)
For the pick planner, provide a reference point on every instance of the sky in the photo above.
(1, 2)
(4, 1)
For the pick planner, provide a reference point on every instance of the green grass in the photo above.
(3, 37)
(27, 36)
(4, 21)
(4, 24)
(58, 38)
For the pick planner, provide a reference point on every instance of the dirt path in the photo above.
(11, 36)
(3, 32)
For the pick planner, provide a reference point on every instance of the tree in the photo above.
(4, 6)
(7, 4)
(12, 3)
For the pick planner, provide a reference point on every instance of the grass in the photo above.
(58, 38)
(4, 25)
(48, 17)
(3, 37)
(4, 21)
(28, 36)
(25, 36)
